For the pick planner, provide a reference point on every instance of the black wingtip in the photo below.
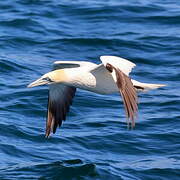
(58, 107)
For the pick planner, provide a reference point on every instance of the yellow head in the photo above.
(57, 76)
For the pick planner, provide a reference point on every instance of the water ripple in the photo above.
(94, 142)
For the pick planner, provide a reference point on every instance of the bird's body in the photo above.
(100, 82)
(111, 76)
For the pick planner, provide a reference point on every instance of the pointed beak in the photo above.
(38, 82)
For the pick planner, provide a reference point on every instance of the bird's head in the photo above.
(57, 76)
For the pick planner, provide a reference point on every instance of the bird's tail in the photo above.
(146, 86)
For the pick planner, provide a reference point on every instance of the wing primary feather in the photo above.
(128, 93)
(49, 120)
(59, 101)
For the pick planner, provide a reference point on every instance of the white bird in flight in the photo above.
(111, 76)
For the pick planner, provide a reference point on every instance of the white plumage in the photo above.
(123, 64)
(111, 76)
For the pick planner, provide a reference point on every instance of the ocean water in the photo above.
(94, 142)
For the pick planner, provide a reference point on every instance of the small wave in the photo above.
(11, 66)
(20, 23)
(67, 169)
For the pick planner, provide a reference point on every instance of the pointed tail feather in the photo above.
(146, 86)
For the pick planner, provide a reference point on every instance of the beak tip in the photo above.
(29, 86)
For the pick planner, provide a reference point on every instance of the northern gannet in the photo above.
(111, 76)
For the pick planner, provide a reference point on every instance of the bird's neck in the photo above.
(59, 76)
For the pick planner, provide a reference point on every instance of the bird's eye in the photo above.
(47, 79)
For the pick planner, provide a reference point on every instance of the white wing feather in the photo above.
(124, 65)
(71, 64)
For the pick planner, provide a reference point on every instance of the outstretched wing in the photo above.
(120, 69)
(60, 97)
(59, 101)
(127, 92)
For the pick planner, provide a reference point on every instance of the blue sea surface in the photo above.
(94, 142)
